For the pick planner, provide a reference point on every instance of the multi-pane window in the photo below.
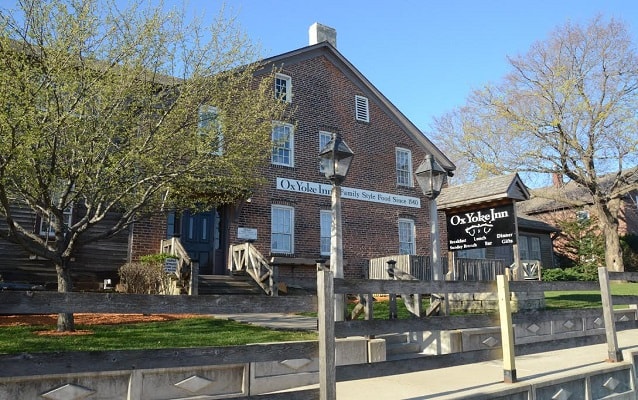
(46, 225)
(283, 86)
(361, 109)
(326, 226)
(324, 139)
(529, 247)
(282, 144)
(404, 167)
(406, 236)
(208, 124)
(282, 229)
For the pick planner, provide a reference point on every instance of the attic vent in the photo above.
(361, 110)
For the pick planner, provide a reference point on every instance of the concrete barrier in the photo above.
(210, 382)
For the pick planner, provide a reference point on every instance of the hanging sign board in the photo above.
(170, 265)
(494, 226)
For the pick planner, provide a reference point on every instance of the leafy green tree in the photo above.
(126, 111)
(567, 108)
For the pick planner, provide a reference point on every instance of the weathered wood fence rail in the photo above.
(133, 363)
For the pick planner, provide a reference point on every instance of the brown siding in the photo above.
(93, 262)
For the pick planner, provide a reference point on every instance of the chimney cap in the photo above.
(318, 33)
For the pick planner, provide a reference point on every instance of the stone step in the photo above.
(228, 284)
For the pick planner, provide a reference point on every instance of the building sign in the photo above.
(247, 233)
(321, 189)
(170, 265)
(487, 227)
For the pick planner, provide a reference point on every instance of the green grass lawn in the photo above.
(201, 332)
(191, 332)
(556, 300)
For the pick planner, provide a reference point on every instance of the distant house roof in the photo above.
(488, 190)
(529, 223)
(350, 71)
(569, 195)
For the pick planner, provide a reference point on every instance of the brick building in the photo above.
(288, 219)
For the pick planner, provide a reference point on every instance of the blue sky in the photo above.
(424, 55)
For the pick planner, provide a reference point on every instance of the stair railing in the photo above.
(245, 257)
(187, 269)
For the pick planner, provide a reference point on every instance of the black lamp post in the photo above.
(430, 177)
(335, 161)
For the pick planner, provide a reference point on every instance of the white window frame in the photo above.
(282, 230)
(361, 108)
(207, 117)
(404, 173)
(325, 234)
(283, 149)
(324, 138)
(46, 228)
(407, 243)
(287, 93)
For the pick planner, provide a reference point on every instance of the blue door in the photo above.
(201, 236)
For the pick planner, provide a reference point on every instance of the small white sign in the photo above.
(247, 233)
(170, 265)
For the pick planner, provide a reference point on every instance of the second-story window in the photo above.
(404, 167)
(208, 124)
(324, 138)
(283, 144)
(283, 87)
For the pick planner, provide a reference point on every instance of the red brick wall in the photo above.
(147, 236)
(324, 100)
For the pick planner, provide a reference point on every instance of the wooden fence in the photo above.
(35, 364)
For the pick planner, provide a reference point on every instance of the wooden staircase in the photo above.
(228, 284)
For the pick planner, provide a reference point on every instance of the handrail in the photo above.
(186, 268)
(245, 257)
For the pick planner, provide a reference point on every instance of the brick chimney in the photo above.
(557, 180)
(318, 33)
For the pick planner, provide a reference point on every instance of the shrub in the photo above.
(146, 276)
(578, 273)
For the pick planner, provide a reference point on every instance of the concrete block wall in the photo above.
(482, 302)
(210, 382)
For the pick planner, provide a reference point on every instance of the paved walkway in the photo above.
(483, 378)
(274, 320)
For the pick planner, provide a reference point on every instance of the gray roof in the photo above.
(482, 191)
(527, 223)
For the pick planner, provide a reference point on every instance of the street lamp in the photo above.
(335, 161)
(430, 177)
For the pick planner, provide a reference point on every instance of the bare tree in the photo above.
(567, 107)
(122, 111)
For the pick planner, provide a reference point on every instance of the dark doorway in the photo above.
(202, 237)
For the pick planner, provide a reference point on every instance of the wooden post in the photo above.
(392, 300)
(507, 331)
(194, 281)
(613, 353)
(326, 319)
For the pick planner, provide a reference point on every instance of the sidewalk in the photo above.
(486, 378)
(274, 320)
(483, 379)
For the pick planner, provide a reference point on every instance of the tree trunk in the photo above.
(65, 285)
(608, 220)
